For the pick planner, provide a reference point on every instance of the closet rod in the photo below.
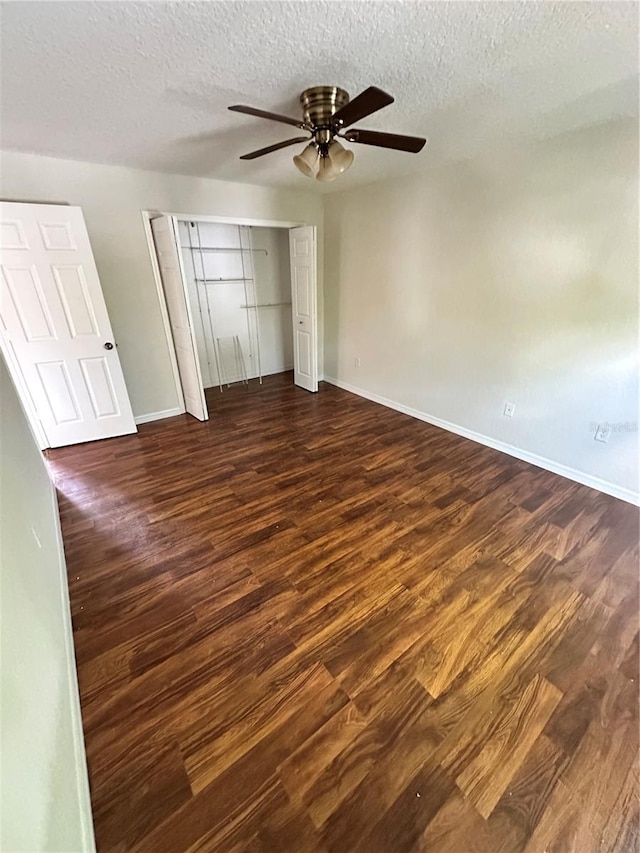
(213, 249)
(266, 305)
(218, 280)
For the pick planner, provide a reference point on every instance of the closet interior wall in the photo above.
(239, 285)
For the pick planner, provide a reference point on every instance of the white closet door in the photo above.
(54, 326)
(302, 249)
(165, 237)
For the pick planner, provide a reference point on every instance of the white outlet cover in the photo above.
(509, 409)
(603, 432)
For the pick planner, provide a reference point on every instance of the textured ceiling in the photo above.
(147, 84)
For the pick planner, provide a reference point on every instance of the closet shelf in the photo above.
(218, 280)
(221, 249)
(266, 305)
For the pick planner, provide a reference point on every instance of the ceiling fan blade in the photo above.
(413, 144)
(251, 111)
(261, 151)
(367, 102)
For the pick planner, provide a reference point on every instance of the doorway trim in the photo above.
(147, 216)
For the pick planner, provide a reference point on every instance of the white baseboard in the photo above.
(81, 773)
(158, 416)
(542, 462)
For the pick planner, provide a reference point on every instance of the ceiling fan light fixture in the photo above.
(327, 169)
(340, 156)
(307, 161)
(327, 113)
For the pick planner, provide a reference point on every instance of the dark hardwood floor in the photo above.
(315, 624)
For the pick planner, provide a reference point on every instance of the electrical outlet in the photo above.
(603, 432)
(356, 361)
(509, 409)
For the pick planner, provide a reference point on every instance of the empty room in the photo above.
(319, 426)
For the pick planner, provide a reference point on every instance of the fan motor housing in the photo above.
(320, 103)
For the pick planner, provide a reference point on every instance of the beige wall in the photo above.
(44, 803)
(273, 284)
(512, 278)
(112, 199)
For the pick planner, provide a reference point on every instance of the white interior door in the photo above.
(302, 249)
(54, 327)
(165, 237)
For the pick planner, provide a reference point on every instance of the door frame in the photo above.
(148, 215)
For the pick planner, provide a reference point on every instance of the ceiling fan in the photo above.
(328, 115)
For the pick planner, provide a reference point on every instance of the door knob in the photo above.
(108, 345)
(300, 322)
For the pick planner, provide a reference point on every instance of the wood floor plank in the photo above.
(407, 756)
(584, 802)
(345, 774)
(300, 770)
(316, 624)
(528, 792)
(402, 824)
(485, 779)
(209, 751)
(458, 827)
(135, 796)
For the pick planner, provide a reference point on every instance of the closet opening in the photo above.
(240, 303)
(239, 283)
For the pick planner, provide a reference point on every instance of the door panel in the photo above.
(57, 388)
(303, 291)
(98, 381)
(302, 247)
(12, 235)
(72, 288)
(164, 236)
(26, 292)
(54, 326)
(303, 341)
(57, 235)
